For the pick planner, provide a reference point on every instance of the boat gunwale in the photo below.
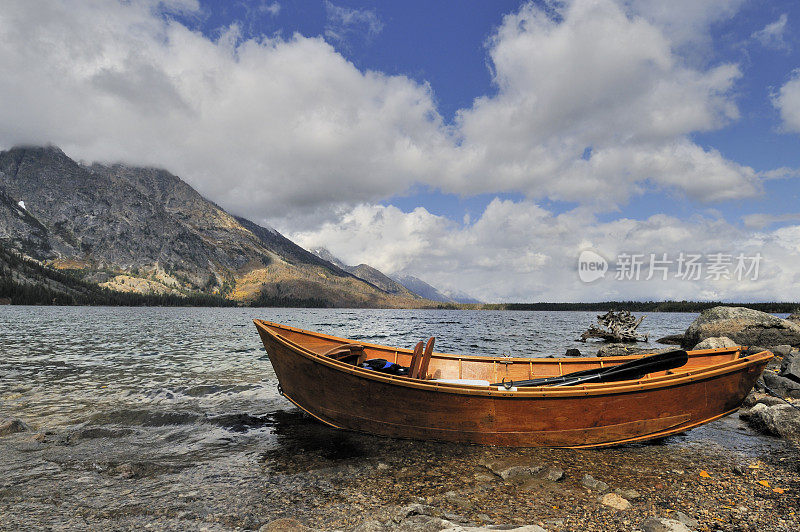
(620, 387)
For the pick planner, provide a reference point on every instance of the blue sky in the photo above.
(444, 44)
(481, 146)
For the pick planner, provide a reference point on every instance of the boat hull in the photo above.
(586, 416)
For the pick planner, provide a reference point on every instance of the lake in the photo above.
(171, 416)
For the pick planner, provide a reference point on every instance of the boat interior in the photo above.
(424, 364)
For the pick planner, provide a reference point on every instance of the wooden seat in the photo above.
(422, 373)
(416, 360)
(348, 353)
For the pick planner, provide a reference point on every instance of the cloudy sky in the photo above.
(481, 146)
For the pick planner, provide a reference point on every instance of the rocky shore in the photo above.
(322, 479)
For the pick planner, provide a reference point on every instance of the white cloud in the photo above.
(772, 35)
(273, 8)
(686, 23)
(787, 101)
(262, 126)
(345, 22)
(274, 127)
(762, 220)
(593, 76)
(518, 251)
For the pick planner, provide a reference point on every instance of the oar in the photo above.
(629, 370)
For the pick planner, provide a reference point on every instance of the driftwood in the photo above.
(615, 327)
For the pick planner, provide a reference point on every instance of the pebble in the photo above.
(593, 484)
(615, 501)
(660, 524)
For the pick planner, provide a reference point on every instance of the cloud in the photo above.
(518, 251)
(344, 22)
(273, 127)
(772, 35)
(263, 126)
(762, 220)
(591, 76)
(787, 101)
(686, 23)
(273, 8)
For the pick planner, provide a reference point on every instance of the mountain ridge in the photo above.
(144, 230)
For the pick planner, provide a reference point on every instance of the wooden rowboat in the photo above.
(447, 400)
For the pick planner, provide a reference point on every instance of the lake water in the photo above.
(185, 400)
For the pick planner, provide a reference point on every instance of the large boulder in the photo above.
(795, 317)
(715, 342)
(781, 385)
(742, 325)
(779, 420)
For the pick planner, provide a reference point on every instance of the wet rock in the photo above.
(671, 339)
(790, 368)
(615, 501)
(742, 325)
(715, 342)
(285, 525)
(781, 385)
(573, 353)
(592, 483)
(554, 474)
(660, 524)
(513, 470)
(12, 426)
(781, 350)
(779, 420)
(629, 494)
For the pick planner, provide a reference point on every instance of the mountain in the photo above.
(368, 274)
(399, 284)
(423, 289)
(144, 230)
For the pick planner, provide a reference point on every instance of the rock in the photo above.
(513, 470)
(686, 520)
(715, 342)
(615, 350)
(615, 501)
(659, 524)
(781, 385)
(593, 484)
(370, 526)
(671, 339)
(573, 353)
(779, 420)
(781, 350)
(285, 525)
(742, 325)
(493, 528)
(12, 426)
(795, 317)
(790, 368)
(554, 474)
(629, 494)
(125, 471)
(753, 398)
